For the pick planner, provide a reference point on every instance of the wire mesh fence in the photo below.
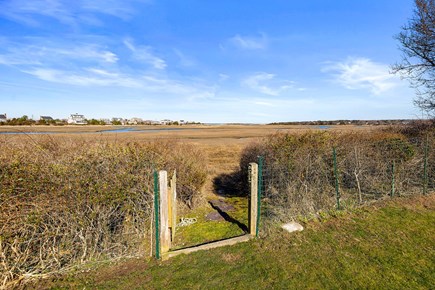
(299, 178)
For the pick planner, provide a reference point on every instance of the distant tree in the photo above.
(417, 43)
(95, 122)
(41, 122)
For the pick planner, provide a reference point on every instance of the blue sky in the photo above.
(208, 61)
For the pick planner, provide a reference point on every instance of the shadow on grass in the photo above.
(229, 219)
(231, 185)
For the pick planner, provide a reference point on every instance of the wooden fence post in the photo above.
(173, 205)
(165, 237)
(253, 211)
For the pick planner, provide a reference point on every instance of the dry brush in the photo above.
(299, 176)
(69, 201)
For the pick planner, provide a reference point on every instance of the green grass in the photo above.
(385, 246)
(204, 231)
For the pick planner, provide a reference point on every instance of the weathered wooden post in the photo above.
(165, 236)
(173, 205)
(253, 204)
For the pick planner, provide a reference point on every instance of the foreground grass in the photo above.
(204, 231)
(387, 245)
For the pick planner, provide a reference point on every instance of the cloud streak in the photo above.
(46, 53)
(144, 54)
(249, 42)
(72, 13)
(91, 65)
(266, 83)
(94, 77)
(362, 73)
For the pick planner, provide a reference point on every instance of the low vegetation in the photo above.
(68, 201)
(299, 176)
(388, 245)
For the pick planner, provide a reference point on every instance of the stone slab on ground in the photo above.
(214, 216)
(292, 227)
(221, 205)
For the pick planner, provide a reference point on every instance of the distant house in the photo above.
(105, 121)
(3, 118)
(135, 121)
(119, 121)
(46, 118)
(77, 119)
(151, 122)
(165, 122)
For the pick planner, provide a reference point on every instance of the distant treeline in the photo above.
(25, 120)
(348, 122)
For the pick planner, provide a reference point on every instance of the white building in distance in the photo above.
(77, 119)
(135, 121)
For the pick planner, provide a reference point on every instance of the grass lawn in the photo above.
(388, 245)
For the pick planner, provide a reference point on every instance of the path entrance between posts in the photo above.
(230, 218)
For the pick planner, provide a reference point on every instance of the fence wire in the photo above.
(300, 180)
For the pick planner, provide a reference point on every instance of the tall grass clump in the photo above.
(299, 175)
(69, 201)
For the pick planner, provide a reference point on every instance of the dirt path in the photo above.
(222, 215)
(221, 160)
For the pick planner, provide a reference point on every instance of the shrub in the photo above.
(67, 201)
(299, 177)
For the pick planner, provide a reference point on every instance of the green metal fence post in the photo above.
(393, 165)
(156, 214)
(425, 180)
(260, 187)
(337, 192)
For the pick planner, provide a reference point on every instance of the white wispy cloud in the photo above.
(159, 84)
(93, 65)
(67, 12)
(249, 42)
(93, 77)
(103, 72)
(266, 83)
(26, 12)
(184, 60)
(144, 53)
(362, 73)
(123, 9)
(97, 77)
(40, 53)
(223, 77)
